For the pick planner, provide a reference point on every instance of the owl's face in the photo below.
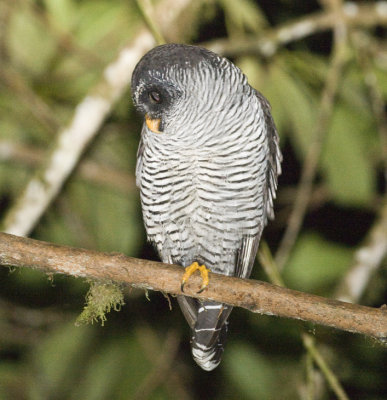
(156, 97)
(178, 87)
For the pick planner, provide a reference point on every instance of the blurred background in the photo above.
(323, 67)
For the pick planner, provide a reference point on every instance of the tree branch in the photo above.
(367, 259)
(256, 296)
(362, 15)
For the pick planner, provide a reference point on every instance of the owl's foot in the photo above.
(203, 272)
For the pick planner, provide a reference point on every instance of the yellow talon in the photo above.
(203, 272)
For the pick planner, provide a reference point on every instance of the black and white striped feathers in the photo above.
(208, 176)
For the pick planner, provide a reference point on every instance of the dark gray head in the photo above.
(174, 79)
(163, 57)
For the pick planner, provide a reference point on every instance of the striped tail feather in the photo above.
(209, 324)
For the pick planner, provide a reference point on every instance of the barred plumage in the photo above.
(208, 179)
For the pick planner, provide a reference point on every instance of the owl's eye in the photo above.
(155, 97)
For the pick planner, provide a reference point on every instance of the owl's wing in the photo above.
(248, 250)
(246, 256)
(274, 157)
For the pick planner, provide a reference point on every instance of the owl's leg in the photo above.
(203, 272)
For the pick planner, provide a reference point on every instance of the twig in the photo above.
(22, 325)
(309, 389)
(312, 157)
(268, 264)
(161, 367)
(88, 117)
(66, 41)
(309, 344)
(255, 296)
(366, 261)
(151, 344)
(370, 255)
(30, 100)
(92, 171)
(306, 186)
(147, 13)
(308, 341)
(354, 15)
(30, 317)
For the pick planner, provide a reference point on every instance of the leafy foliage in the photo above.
(52, 53)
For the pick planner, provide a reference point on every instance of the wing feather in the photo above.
(274, 156)
(248, 250)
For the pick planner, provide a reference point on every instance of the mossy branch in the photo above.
(255, 296)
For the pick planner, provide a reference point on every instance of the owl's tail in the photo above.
(209, 322)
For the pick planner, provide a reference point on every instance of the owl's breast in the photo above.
(197, 207)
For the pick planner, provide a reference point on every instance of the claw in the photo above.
(201, 288)
(190, 270)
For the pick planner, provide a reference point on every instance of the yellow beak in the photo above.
(153, 124)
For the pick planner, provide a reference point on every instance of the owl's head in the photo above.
(177, 84)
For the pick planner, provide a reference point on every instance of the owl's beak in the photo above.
(153, 124)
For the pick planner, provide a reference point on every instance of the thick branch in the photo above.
(256, 296)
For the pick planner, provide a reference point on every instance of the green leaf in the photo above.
(114, 220)
(310, 67)
(62, 12)
(381, 76)
(298, 106)
(94, 217)
(101, 20)
(316, 264)
(243, 15)
(29, 45)
(347, 162)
